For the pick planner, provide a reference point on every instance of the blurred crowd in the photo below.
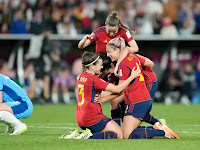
(168, 17)
(48, 78)
(55, 81)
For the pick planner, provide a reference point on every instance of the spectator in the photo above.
(168, 29)
(18, 25)
(4, 28)
(197, 17)
(37, 24)
(196, 96)
(171, 8)
(171, 83)
(188, 84)
(66, 26)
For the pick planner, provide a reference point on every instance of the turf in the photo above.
(48, 122)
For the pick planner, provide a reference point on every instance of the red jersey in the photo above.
(89, 112)
(137, 90)
(149, 75)
(102, 38)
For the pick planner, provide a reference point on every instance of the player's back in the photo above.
(149, 75)
(11, 91)
(136, 91)
(87, 110)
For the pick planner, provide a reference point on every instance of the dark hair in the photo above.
(106, 61)
(87, 58)
(113, 20)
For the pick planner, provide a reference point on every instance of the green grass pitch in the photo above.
(48, 122)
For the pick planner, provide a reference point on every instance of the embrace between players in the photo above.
(136, 87)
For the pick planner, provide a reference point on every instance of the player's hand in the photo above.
(116, 71)
(97, 98)
(86, 37)
(136, 72)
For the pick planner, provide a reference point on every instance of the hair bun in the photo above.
(114, 14)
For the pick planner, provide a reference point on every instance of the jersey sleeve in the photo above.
(127, 35)
(100, 84)
(142, 60)
(124, 72)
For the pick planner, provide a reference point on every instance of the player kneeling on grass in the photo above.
(88, 112)
(137, 97)
(14, 105)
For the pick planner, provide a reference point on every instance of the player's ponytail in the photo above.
(113, 20)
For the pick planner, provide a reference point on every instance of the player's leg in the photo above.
(7, 116)
(129, 124)
(116, 112)
(104, 129)
(152, 88)
(18, 110)
(115, 109)
(112, 126)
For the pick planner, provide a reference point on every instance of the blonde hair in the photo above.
(117, 43)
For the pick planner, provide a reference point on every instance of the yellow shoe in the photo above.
(71, 135)
(19, 130)
(86, 134)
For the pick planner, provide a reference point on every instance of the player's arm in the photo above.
(103, 99)
(133, 46)
(84, 42)
(148, 62)
(124, 52)
(1, 97)
(120, 87)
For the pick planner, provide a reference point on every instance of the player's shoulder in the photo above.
(99, 30)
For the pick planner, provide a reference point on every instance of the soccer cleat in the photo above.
(71, 135)
(20, 129)
(168, 132)
(84, 135)
(9, 130)
(162, 121)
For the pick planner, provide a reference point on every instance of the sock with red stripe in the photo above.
(150, 119)
(104, 135)
(116, 115)
(146, 133)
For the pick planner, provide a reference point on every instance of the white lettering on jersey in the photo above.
(128, 34)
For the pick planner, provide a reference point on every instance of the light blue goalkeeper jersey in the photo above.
(15, 97)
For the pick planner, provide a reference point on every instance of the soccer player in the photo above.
(149, 76)
(14, 105)
(113, 29)
(137, 97)
(89, 113)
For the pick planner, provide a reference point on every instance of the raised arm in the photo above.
(133, 46)
(124, 52)
(148, 62)
(120, 87)
(84, 42)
